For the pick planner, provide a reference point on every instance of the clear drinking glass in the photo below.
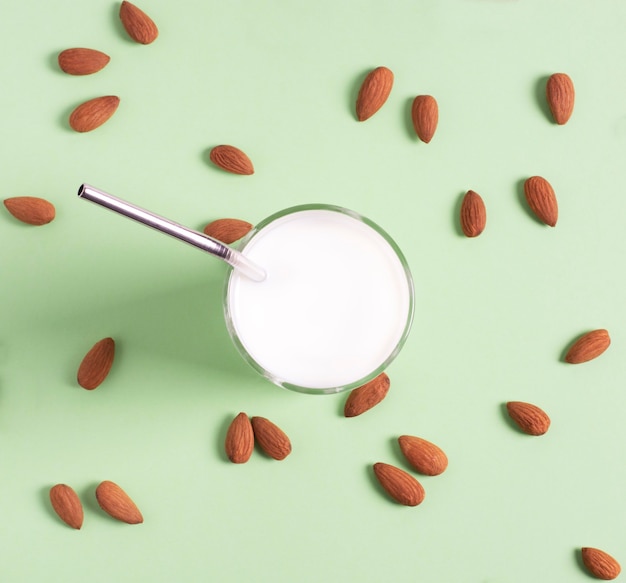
(335, 308)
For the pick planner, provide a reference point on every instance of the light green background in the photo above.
(493, 314)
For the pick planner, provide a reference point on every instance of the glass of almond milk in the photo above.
(336, 305)
(319, 299)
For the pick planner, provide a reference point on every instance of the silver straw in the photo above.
(194, 238)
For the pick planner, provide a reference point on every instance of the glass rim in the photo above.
(347, 386)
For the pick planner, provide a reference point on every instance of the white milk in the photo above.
(336, 305)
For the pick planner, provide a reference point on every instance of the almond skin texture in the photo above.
(367, 396)
(227, 230)
(424, 456)
(542, 200)
(588, 346)
(560, 95)
(139, 26)
(66, 504)
(529, 418)
(117, 503)
(96, 364)
(31, 209)
(81, 61)
(600, 564)
(373, 93)
(400, 485)
(425, 116)
(93, 113)
(473, 214)
(239, 441)
(231, 159)
(272, 440)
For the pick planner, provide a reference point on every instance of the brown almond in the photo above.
(588, 346)
(424, 456)
(367, 396)
(30, 209)
(67, 505)
(231, 159)
(425, 116)
(227, 230)
(93, 113)
(373, 93)
(81, 61)
(400, 485)
(117, 503)
(271, 438)
(600, 564)
(529, 418)
(541, 199)
(239, 441)
(96, 364)
(473, 214)
(139, 26)
(560, 95)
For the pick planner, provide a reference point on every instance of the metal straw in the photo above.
(194, 238)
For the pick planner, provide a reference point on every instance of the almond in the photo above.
(272, 440)
(473, 214)
(139, 26)
(600, 564)
(400, 485)
(117, 503)
(81, 61)
(96, 364)
(588, 346)
(66, 504)
(530, 418)
(239, 441)
(367, 396)
(30, 209)
(231, 159)
(227, 230)
(425, 116)
(541, 199)
(93, 113)
(560, 96)
(424, 456)
(373, 93)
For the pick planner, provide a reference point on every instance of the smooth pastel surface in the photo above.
(495, 313)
